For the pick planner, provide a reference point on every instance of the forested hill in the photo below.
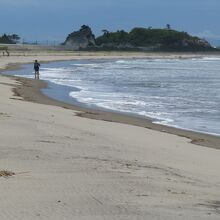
(144, 39)
(152, 39)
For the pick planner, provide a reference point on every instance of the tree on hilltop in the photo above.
(168, 27)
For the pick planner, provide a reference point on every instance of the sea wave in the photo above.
(211, 58)
(182, 92)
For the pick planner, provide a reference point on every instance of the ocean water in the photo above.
(182, 93)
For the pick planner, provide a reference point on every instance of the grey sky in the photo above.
(54, 19)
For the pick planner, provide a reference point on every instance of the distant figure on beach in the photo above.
(36, 69)
(8, 54)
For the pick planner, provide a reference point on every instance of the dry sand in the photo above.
(63, 166)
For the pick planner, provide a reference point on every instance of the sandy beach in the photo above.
(63, 164)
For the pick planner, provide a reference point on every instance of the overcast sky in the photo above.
(54, 19)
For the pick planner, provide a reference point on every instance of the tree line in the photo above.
(9, 39)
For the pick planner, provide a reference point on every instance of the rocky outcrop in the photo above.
(80, 39)
(196, 42)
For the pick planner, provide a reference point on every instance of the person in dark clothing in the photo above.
(36, 69)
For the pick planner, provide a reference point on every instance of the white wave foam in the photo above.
(123, 61)
(85, 65)
(56, 69)
(211, 58)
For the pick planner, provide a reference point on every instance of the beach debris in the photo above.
(6, 173)
(4, 115)
(215, 205)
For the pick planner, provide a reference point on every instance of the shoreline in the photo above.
(30, 90)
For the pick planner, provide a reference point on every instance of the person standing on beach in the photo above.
(36, 69)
